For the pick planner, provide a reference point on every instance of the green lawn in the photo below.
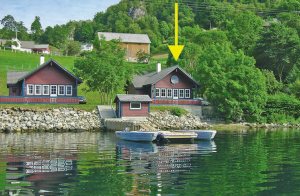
(24, 61)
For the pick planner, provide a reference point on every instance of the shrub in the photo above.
(173, 110)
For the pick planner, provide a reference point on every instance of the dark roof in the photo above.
(151, 78)
(129, 98)
(125, 37)
(15, 77)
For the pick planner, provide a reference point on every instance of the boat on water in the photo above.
(138, 136)
(167, 136)
(203, 134)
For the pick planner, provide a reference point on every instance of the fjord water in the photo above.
(235, 163)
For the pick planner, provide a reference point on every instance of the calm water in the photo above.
(236, 163)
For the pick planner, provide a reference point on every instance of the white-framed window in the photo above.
(181, 93)
(30, 89)
(187, 93)
(169, 93)
(157, 92)
(46, 90)
(175, 93)
(53, 90)
(61, 90)
(135, 105)
(69, 90)
(38, 89)
(163, 92)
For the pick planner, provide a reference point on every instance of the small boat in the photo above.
(166, 136)
(204, 134)
(138, 136)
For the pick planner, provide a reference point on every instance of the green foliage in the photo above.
(142, 56)
(273, 86)
(295, 88)
(36, 29)
(84, 32)
(278, 50)
(103, 70)
(177, 111)
(282, 108)
(72, 48)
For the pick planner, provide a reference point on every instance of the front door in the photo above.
(175, 93)
(53, 91)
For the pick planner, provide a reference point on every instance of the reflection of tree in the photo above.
(100, 177)
(2, 176)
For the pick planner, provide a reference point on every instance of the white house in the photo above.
(87, 47)
(30, 46)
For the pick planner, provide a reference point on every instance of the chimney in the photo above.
(42, 59)
(158, 67)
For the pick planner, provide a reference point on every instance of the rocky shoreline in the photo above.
(54, 120)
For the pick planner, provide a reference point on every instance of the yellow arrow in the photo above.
(176, 49)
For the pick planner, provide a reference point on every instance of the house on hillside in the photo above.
(86, 47)
(2, 42)
(172, 85)
(132, 43)
(30, 46)
(49, 83)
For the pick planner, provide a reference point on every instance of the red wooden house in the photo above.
(49, 83)
(128, 106)
(172, 85)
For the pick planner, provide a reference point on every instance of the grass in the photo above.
(24, 61)
(177, 111)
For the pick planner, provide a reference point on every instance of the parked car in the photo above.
(203, 101)
(82, 100)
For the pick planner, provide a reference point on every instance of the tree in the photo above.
(9, 23)
(72, 48)
(244, 31)
(278, 50)
(104, 69)
(273, 86)
(36, 29)
(222, 74)
(84, 32)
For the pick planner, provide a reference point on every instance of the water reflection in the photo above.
(235, 163)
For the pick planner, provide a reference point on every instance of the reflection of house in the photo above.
(86, 47)
(168, 86)
(132, 106)
(30, 46)
(48, 83)
(132, 43)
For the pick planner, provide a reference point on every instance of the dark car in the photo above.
(82, 100)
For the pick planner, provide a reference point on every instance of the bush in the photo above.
(173, 110)
(142, 57)
(282, 108)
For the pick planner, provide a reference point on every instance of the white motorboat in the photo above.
(203, 134)
(138, 136)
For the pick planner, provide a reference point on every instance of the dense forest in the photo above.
(244, 53)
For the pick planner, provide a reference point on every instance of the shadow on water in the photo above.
(235, 163)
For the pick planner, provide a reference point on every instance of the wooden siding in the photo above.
(127, 112)
(184, 82)
(176, 102)
(133, 48)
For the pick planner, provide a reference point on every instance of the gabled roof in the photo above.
(130, 98)
(151, 78)
(15, 77)
(41, 46)
(125, 37)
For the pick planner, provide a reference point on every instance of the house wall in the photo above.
(63, 100)
(51, 75)
(15, 90)
(127, 112)
(184, 82)
(133, 48)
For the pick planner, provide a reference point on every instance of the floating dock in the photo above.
(177, 136)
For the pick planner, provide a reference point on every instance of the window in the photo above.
(163, 92)
(157, 92)
(61, 90)
(53, 89)
(175, 93)
(169, 93)
(135, 105)
(69, 90)
(30, 88)
(187, 93)
(46, 90)
(38, 89)
(181, 93)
